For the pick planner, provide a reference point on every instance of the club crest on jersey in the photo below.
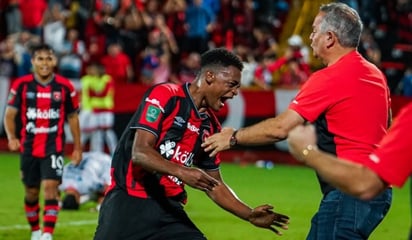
(57, 96)
(152, 113)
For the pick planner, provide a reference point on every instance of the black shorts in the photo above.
(130, 218)
(35, 169)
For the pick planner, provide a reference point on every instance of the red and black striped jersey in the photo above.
(168, 111)
(43, 109)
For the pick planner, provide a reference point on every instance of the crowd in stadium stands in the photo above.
(152, 41)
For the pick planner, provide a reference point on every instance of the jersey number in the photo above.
(56, 161)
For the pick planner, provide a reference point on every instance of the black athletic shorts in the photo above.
(124, 217)
(34, 169)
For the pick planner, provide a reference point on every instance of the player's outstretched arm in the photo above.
(261, 216)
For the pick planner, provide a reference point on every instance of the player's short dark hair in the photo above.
(41, 47)
(220, 57)
(70, 203)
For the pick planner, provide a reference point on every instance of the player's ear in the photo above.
(209, 77)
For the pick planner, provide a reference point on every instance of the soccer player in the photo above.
(85, 181)
(159, 153)
(389, 164)
(42, 101)
(349, 103)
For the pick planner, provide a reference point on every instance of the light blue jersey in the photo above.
(90, 176)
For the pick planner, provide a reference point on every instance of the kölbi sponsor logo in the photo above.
(34, 113)
(178, 154)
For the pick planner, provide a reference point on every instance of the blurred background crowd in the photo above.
(151, 41)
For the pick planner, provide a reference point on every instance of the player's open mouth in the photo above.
(223, 100)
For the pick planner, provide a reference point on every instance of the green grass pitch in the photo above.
(293, 190)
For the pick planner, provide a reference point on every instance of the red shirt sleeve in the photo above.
(392, 161)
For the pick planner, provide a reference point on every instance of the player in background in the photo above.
(86, 181)
(42, 101)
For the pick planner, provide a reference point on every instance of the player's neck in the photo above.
(43, 79)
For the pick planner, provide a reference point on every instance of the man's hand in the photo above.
(264, 217)
(197, 178)
(14, 144)
(76, 157)
(218, 142)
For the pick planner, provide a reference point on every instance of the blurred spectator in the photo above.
(118, 64)
(369, 48)
(72, 52)
(54, 29)
(249, 65)
(94, 53)
(234, 24)
(24, 41)
(187, 70)
(71, 61)
(32, 13)
(174, 11)
(104, 24)
(83, 13)
(8, 71)
(156, 57)
(132, 30)
(8, 59)
(213, 5)
(13, 17)
(72, 43)
(407, 82)
(299, 49)
(150, 12)
(293, 76)
(200, 21)
(264, 73)
(263, 41)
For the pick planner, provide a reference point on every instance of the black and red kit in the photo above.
(43, 109)
(167, 111)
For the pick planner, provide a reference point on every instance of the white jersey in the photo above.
(91, 175)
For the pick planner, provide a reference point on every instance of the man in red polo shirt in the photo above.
(349, 104)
